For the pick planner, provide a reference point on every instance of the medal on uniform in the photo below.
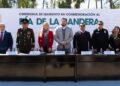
(21, 33)
(29, 33)
(104, 31)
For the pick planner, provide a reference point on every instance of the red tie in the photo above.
(1, 37)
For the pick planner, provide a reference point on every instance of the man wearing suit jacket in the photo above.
(6, 40)
(82, 40)
(64, 36)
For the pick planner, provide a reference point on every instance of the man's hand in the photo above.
(94, 50)
(49, 49)
(63, 43)
(117, 49)
(107, 49)
(41, 49)
(74, 50)
(32, 49)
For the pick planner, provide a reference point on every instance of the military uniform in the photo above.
(100, 39)
(25, 40)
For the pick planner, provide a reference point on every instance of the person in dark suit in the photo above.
(25, 38)
(6, 40)
(115, 39)
(100, 38)
(82, 40)
(45, 39)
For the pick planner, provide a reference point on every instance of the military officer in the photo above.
(25, 38)
(100, 38)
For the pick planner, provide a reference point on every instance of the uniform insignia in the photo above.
(29, 33)
(28, 36)
(105, 32)
(20, 32)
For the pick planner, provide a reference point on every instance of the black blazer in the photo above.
(6, 43)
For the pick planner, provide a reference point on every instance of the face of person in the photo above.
(2, 27)
(100, 25)
(82, 27)
(63, 22)
(25, 25)
(116, 30)
(45, 27)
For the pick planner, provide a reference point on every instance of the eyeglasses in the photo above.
(100, 24)
(81, 26)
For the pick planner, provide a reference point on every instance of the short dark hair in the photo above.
(25, 21)
(64, 19)
(82, 24)
(101, 22)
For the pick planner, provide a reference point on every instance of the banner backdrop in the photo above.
(11, 18)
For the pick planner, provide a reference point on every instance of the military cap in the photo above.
(24, 21)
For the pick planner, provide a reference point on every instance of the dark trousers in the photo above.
(26, 51)
(2, 51)
(45, 49)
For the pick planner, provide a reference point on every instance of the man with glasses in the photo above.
(100, 38)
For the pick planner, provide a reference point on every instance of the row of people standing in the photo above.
(82, 40)
(99, 41)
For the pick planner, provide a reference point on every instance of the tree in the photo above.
(18, 3)
(78, 2)
(4, 4)
(26, 3)
(64, 4)
(67, 3)
(114, 4)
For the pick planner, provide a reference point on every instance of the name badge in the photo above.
(59, 52)
(86, 53)
(35, 53)
(109, 52)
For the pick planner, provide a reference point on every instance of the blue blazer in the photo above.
(6, 43)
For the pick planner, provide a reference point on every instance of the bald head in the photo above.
(2, 27)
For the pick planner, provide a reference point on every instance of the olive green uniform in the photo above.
(25, 40)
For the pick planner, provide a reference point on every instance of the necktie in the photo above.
(1, 37)
(63, 30)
